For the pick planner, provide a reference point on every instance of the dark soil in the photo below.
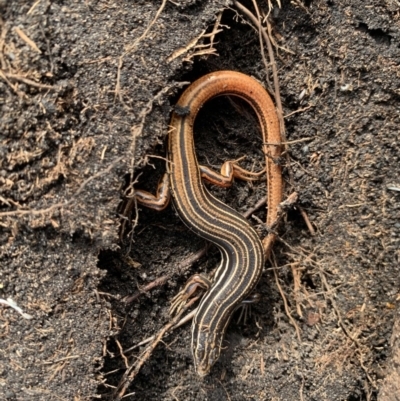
(86, 94)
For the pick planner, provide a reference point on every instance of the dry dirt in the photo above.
(86, 91)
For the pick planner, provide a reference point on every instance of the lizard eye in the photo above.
(199, 352)
(214, 354)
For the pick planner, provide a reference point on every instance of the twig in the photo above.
(298, 111)
(33, 7)
(185, 264)
(307, 139)
(17, 92)
(27, 40)
(181, 322)
(156, 283)
(121, 351)
(269, 240)
(3, 35)
(260, 38)
(260, 203)
(29, 81)
(134, 369)
(285, 303)
(307, 221)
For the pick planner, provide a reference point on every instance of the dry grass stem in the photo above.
(134, 369)
(27, 40)
(285, 303)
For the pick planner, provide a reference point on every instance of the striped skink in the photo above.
(243, 253)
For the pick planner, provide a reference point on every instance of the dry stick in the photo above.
(121, 351)
(270, 6)
(260, 29)
(131, 373)
(301, 5)
(181, 322)
(306, 139)
(257, 206)
(156, 283)
(130, 204)
(27, 40)
(215, 30)
(307, 221)
(269, 239)
(273, 40)
(29, 81)
(33, 7)
(299, 111)
(226, 391)
(296, 273)
(182, 266)
(285, 303)
(17, 92)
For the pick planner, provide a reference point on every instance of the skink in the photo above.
(243, 253)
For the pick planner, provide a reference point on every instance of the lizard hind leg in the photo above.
(196, 283)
